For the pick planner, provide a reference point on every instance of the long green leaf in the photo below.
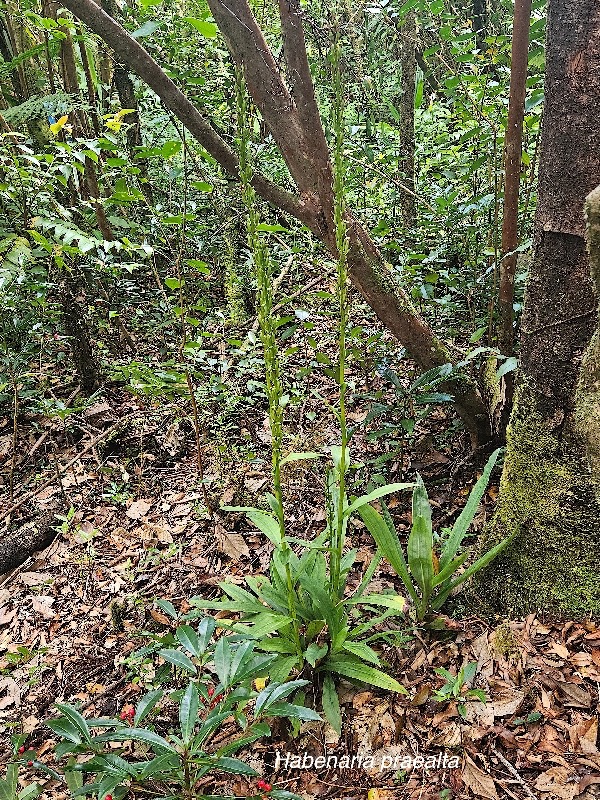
(331, 704)
(355, 669)
(189, 639)
(450, 569)
(275, 692)
(146, 704)
(188, 712)
(420, 542)
(362, 651)
(267, 524)
(234, 766)
(393, 601)
(179, 659)
(138, 735)
(76, 719)
(382, 491)
(206, 628)
(461, 525)
(389, 544)
(482, 562)
(8, 785)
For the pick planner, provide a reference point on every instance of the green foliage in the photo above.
(224, 673)
(9, 786)
(453, 688)
(428, 578)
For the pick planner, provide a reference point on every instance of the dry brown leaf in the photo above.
(35, 578)
(359, 699)
(449, 736)
(7, 616)
(587, 780)
(163, 535)
(574, 696)
(12, 695)
(422, 696)
(182, 510)
(559, 649)
(158, 617)
(95, 688)
(138, 509)
(478, 781)
(42, 605)
(587, 740)
(507, 703)
(555, 781)
(232, 544)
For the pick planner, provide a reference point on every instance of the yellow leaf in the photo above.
(373, 794)
(259, 684)
(59, 124)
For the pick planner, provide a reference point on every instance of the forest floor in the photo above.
(72, 615)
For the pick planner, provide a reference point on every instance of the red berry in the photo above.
(210, 691)
(267, 787)
(108, 797)
(21, 749)
(30, 763)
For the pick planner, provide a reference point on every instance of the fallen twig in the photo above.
(50, 481)
(513, 771)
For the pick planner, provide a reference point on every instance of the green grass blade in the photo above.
(420, 542)
(388, 542)
(461, 525)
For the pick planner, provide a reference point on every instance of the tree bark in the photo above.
(549, 499)
(293, 119)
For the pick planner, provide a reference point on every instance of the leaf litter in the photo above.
(71, 615)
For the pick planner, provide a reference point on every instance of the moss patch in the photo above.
(548, 505)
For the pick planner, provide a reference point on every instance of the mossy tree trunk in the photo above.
(549, 496)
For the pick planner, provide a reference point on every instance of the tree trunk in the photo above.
(479, 10)
(292, 117)
(406, 106)
(549, 494)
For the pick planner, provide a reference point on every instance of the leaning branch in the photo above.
(139, 61)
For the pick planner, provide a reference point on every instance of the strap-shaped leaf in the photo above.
(450, 569)
(353, 668)
(275, 692)
(420, 542)
(362, 651)
(388, 542)
(461, 525)
(65, 729)
(8, 785)
(30, 792)
(189, 639)
(382, 491)
(234, 766)
(206, 628)
(76, 719)
(138, 735)
(394, 601)
(482, 562)
(293, 711)
(331, 704)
